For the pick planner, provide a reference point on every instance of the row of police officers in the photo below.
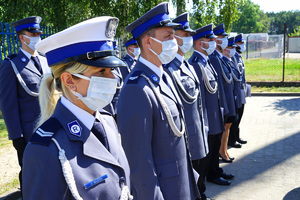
(174, 116)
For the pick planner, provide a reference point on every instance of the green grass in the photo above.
(8, 186)
(270, 70)
(275, 89)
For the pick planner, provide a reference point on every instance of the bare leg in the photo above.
(223, 148)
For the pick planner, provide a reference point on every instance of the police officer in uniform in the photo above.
(150, 115)
(20, 76)
(228, 53)
(225, 87)
(112, 106)
(245, 88)
(204, 45)
(133, 51)
(188, 87)
(76, 152)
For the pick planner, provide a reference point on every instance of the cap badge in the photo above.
(75, 128)
(111, 27)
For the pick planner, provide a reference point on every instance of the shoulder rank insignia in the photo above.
(134, 77)
(45, 132)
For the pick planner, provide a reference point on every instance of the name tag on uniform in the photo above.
(96, 181)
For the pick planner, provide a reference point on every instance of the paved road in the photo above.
(268, 167)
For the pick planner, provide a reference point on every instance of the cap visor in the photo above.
(172, 24)
(105, 62)
(212, 36)
(189, 30)
(34, 31)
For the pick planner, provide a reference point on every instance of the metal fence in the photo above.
(262, 45)
(9, 42)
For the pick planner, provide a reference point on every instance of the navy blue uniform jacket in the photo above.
(89, 159)
(197, 136)
(19, 109)
(159, 160)
(214, 109)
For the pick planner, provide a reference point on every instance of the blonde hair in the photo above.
(51, 88)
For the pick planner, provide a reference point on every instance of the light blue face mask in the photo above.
(187, 43)
(211, 48)
(100, 91)
(224, 42)
(136, 52)
(169, 50)
(231, 52)
(33, 41)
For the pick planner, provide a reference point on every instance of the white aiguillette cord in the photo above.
(166, 110)
(209, 88)
(69, 176)
(192, 99)
(67, 171)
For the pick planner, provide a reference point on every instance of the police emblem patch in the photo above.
(154, 77)
(23, 59)
(75, 128)
(111, 27)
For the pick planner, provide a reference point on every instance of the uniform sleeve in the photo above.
(42, 174)
(9, 100)
(135, 121)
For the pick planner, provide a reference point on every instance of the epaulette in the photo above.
(10, 57)
(134, 77)
(45, 132)
(195, 59)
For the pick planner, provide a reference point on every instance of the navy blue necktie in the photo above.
(99, 132)
(37, 63)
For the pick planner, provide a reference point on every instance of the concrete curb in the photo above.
(271, 94)
(13, 194)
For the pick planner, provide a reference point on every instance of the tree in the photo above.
(291, 18)
(229, 12)
(251, 19)
(180, 6)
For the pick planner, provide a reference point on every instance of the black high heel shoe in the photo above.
(225, 160)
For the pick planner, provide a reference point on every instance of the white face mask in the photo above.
(243, 47)
(169, 50)
(100, 91)
(224, 42)
(33, 41)
(211, 48)
(136, 52)
(231, 52)
(187, 43)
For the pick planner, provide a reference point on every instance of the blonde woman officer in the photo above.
(76, 152)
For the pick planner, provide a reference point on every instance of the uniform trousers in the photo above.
(200, 166)
(213, 169)
(234, 133)
(20, 144)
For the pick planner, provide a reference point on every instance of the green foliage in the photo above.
(296, 32)
(229, 12)
(203, 13)
(291, 18)
(251, 20)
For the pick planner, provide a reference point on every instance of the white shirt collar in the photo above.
(219, 53)
(86, 118)
(151, 66)
(179, 57)
(28, 55)
(203, 55)
(130, 56)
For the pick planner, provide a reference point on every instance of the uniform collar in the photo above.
(203, 55)
(28, 55)
(219, 53)
(151, 66)
(86, 118)
(179, 57)
(130, 56)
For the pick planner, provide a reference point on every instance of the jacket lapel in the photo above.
(92, 147)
